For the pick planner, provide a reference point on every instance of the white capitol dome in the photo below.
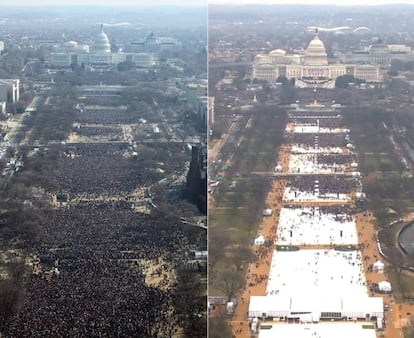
(278, 52)
(315, 54)
(101, 42)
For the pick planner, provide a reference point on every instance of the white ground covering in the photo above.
(299, 226)
(321, 273)
(295, 195)
(322, 330)
(305, 149)
(308, 164)
(307, 129)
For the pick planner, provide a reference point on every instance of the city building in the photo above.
(210, 110)
(197, 177)
(202, 102)
(2, 107)
(99, 55)
(9, 90)
(378, 54)
(310, 69)
(154, 44)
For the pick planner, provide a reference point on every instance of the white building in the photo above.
(210, 111)
(154, 44)
(310, 69)
(98, 56)
(313, 309)
(320, 330)
(378, 54)
(2, 107)
(9, 90)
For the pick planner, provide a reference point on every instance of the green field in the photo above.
(403, 285)
(372, 162)
(240, 197)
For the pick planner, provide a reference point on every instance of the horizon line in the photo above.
(307, 4)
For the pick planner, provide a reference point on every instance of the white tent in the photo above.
(254, 327)
(384, 286)
(378, 266)
(267, 212)
(259, 240)
(230, 307)
(360, 195)
(278, 168)
(347, 305)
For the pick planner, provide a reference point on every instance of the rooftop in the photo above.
(321, 330)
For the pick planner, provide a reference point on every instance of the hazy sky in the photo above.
(194, 2)
(311, 2)
(103, 2)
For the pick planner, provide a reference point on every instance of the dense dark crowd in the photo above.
(94, 256)
(331, 159)
(98, 289)
(107, 117)
(94, 131)
(326, 183)
(102, 168)
(300, 114)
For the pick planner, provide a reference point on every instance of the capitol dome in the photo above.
(101, 42)
(315, 54)
(279, 52)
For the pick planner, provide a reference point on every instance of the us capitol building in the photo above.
(100, 56)
(310, 69)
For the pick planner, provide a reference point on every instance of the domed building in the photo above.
(310, 69)
(101, 43)
(315, 54)
(99, 57)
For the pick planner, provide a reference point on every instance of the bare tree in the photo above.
(240, 256)
(230, 282)
(218, 326)
(217, 243)
(10, 302)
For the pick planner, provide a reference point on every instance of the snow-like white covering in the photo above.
(308, 164)
(305, 149)
(321, 273)
(295, 195)
(309, 284)
(323, 330)
(312, 129)
(300, 226)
